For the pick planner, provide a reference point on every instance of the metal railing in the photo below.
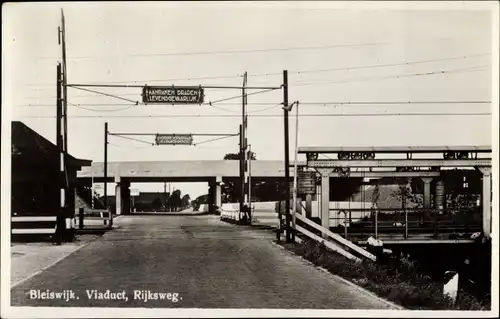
(99, 215)
(406, 221)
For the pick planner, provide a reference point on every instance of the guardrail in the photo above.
(230, 211)
(331, 240)
(95, 218)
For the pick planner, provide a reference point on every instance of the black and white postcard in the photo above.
(250, 159)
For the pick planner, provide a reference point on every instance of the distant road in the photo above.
(208, 263)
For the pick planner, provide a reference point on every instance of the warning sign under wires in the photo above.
(172, 95)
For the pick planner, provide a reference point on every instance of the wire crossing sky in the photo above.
(402, 74)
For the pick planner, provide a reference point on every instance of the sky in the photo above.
(334, 52)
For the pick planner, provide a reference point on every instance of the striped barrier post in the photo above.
(33, 225)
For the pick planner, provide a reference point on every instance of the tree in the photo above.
(186, 200)
(175, 200)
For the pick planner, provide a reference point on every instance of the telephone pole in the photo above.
(64, 80)
(243, 147)
(68, 214)
(242, 173)
(105, 165)
(59, 140)
(287, 159)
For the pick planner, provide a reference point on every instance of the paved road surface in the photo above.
(210, 264)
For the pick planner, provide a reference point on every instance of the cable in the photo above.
(212, 140)
(223, 109)
(325, 103)
(178, 79)
(293, 72)
(257, 111)
(110, 95)
(371, 66)
(135, 147)
(472, 69)
(239, 96)
(132, 139)
(394, 102)
(97, 110)
(265, 109)
(81, 96)
(154, 80)
(223, 52)
(269, 115)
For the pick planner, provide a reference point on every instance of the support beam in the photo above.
(125, 192)
(308, 206)
(427, 196)
(480, 162)
(394, 174)
(118, 196)
(395, 149)
(486, 202)
(325, 201)
(218, 192)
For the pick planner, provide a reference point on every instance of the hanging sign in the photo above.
(306, 182)
(172, 95)
(174, 139)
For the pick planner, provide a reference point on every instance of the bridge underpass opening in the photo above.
(168, 197)
(173, 195)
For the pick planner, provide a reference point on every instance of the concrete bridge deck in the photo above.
(181, 170)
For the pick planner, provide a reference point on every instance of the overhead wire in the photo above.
(271, 115)
(101, 110)
(239, 96)
(316, 103)
(127, 146)
(371, 66)
(213, 140)
(471, 69)
(105, 94)
(224, 51)
(294, 72)
(132, 139)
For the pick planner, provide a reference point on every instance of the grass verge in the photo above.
(399, 282)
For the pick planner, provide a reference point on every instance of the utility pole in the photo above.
(287, 159)
(65, 80)
(68, 213)
(244, 141)
(105, 165)
(242, 173)
(92, 190)
(60, 216)
(295, 173)
(250, 181)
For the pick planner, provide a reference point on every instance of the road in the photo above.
(204, 262)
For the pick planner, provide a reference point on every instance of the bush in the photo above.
(402, 282)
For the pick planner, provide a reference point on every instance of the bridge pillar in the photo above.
(218, 192)
(486, 200)
(325, 199)
(118, 196)
(440, 196)
(427, 196)
(125, 192)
